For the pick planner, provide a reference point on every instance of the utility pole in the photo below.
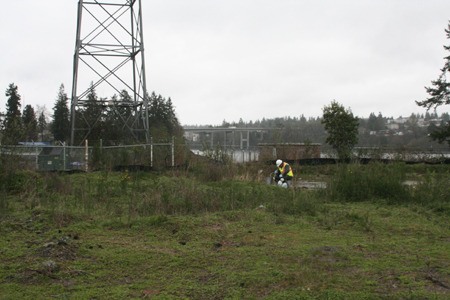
(109, 57)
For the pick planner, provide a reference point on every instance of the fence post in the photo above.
(64, 156)
(173, 151)
(37, 159)
(86, 155)
(151, 152)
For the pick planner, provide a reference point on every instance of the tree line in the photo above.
(372, 131)
(106, 123)
(19, 126)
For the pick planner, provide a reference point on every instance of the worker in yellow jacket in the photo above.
(283, 174)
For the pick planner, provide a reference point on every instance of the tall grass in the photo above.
(354, 182)
(130, 196)
(433, 191)
(388, 183)
(16, 183)
(211, 187)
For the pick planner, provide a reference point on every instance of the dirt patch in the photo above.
(327, 255)
(439, 282)
(61, 249)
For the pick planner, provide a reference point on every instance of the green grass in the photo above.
(249, 254)
(177, 235)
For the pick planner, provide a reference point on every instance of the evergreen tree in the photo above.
(172, 122)
(119, 120)
(440, 95)
(42, 124)
(162, 119)
(372, 122)
(112, 122)
(125, 118)
(13, 131)
(381, 122)
(302, 119)
(61, 117)
(225, 124)
(90, 119)
(30, 123)
(375, 123)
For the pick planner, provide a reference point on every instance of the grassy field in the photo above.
(220, 232)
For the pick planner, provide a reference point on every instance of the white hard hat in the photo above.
(278, 162)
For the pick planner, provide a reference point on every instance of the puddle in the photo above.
(311, 184)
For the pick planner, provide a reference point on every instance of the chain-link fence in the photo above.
(87, 158)
(169, 154)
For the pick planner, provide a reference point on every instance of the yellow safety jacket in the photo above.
(282, 170)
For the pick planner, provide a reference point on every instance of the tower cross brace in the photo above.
(109, 58)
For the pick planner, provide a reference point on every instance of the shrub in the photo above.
(15, 182)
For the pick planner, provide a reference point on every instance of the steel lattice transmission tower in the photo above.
(109, 59)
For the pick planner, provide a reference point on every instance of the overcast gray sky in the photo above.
(247, 59)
